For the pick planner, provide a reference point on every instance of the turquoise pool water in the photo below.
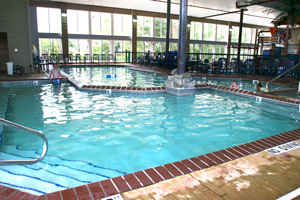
(93, 136)
(97, 75)
(242, 83)
(105, 75)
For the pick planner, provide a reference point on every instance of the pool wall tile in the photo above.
(282, 140)
(173, 170)
(184, 169)
(29, 197)
(40, 198)
(54, 195)
(257, 148)
(264, 144)
(290, 136)
(258, 145)
(121, 184)
(108, 187)
(7, 192)
(235, 152)
(82, 192)
(228, 154)
(132, 181)
(190, 165)
(68, 194)
(269, 142)
(96, 190)
(206, 161)
(198, 162)
(248, 148)
(214, 158)
(143, 178)
(221, 156)
(153, 175)
(241, 150)
(163, 172)
(293, 134)
(16, 195)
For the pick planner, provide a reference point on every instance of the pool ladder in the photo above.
(28, 130)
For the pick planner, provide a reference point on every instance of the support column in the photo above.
(134, 37)
(168, 34)
(286, 44)
(64, 33)
(229, 42)
(188, 35)
(240, 38)
(182, 37)
(298, 50)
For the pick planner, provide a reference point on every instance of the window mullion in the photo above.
(49, 20)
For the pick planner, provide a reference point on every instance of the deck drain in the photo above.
(113, 197)
(155, 139)
(283, 148)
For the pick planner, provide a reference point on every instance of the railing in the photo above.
(28, 130)
(263, 65)
(280, 75)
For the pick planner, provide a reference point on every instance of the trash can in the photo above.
(9, 68)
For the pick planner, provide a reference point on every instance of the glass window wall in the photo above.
(50, 46)
(209, 32)
(196, 31)
(160, 27)
(78, 22)
(144, 26)
(49, 20)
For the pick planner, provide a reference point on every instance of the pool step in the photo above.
(51, 174)
(3, 110)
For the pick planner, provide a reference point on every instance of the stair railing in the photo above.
(28, 130)
(283, 73)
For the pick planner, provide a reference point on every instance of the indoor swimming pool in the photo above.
(94, 136)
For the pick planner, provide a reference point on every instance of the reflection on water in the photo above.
(115, 76)
(164, 128)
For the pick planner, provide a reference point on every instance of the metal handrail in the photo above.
(284, 85)
(28, 130)
(281, 74)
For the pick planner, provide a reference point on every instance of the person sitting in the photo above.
(55, 74)
(234, 85)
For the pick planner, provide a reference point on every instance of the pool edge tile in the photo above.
(133, 181)
(121, 184)
(108, 187)
(96, 190)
